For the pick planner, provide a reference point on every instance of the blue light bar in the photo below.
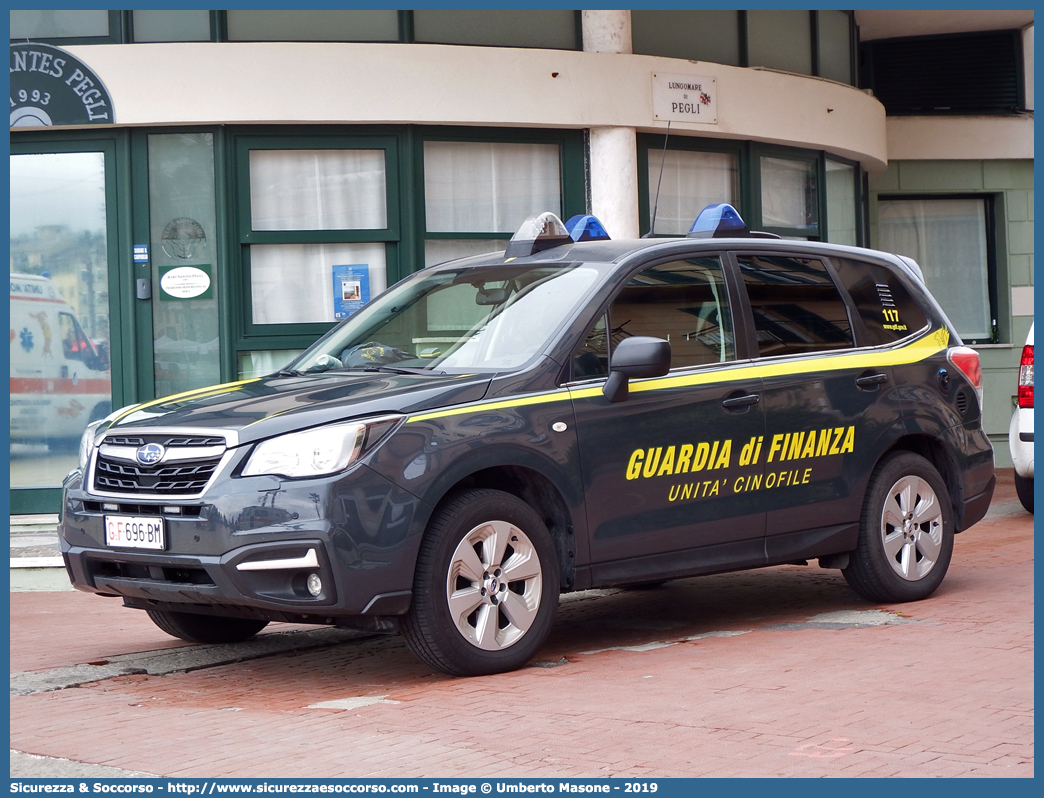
(586, 228)
(536, 233)
(718, 221)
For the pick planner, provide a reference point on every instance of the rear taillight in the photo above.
(967, 360)
(1026, 377)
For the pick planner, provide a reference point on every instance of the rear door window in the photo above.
(796, 307)
(888, 310)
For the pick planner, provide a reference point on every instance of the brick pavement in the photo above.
(949, 692)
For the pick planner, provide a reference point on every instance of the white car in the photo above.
(1020, 433)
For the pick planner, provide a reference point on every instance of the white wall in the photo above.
(293, 82)
(959, 138)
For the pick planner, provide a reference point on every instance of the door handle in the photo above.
(744, 400)
(871, 380)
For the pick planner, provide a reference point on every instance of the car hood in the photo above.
(261, 408)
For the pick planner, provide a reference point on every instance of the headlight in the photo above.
(87, 442)
(91, 433)
(316, 452)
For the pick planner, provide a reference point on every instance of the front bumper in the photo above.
(248, 546)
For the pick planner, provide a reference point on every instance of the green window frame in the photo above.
(251, 336)
(817, 28)
(651, 147)
(749, 157)
(572, 176)
(121, 300)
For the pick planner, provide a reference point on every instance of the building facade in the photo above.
(191, 190)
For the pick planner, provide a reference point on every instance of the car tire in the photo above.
(206, 628)
(485, 588)
(905, 532)
(1024, 488)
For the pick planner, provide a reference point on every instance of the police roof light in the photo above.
(586, 228)
(718, 221)
(538, 232)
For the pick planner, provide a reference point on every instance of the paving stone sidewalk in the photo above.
(773, 672)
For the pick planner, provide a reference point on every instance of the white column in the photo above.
(606, 31)
(614, 180)
(614, 161)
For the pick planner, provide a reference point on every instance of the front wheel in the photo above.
(486, 586)
(205, 628)
(905, 533)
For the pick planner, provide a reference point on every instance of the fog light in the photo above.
(314, 584)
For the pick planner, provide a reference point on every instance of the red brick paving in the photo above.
(951, 695)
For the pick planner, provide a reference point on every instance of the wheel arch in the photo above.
(540, 493)
(935, 452)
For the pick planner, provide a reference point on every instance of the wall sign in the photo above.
(185, 282)
(684, 98)
(351, 288)
(51, 87)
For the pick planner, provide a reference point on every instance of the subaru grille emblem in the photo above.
(150, 454)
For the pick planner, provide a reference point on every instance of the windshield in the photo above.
(456, 320)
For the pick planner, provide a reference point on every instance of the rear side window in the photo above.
(888, 310)
(797, 308)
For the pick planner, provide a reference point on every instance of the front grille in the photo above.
(170, 441)
(185, 474)
(186, 478)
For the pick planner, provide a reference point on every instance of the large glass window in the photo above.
(841, 203)
(688, 182)
(185, 262)
(61, 24)
(294, 283)
(805, 42)
(60, 365)
(949, 238)
(186, 25)
(780, 40)
(698, 35)
(477, 193)
(789, 197)
(313, 26)
(553, 29)
(317, 189)
(835, 45)
(318, 231)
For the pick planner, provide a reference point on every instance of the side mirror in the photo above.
(639, 356)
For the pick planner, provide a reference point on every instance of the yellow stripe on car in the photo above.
(921, 349)
(197, 393)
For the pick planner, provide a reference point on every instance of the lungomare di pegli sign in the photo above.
(51, 87)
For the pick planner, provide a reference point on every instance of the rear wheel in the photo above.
(206, 628)
(1024, 487)
(486, 586)
(905, 533)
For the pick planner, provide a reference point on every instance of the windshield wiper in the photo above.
(393, 369)
(289, 373)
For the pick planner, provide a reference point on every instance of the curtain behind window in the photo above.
(487, 187)
(947, 237)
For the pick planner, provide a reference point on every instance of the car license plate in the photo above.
(133, 532)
